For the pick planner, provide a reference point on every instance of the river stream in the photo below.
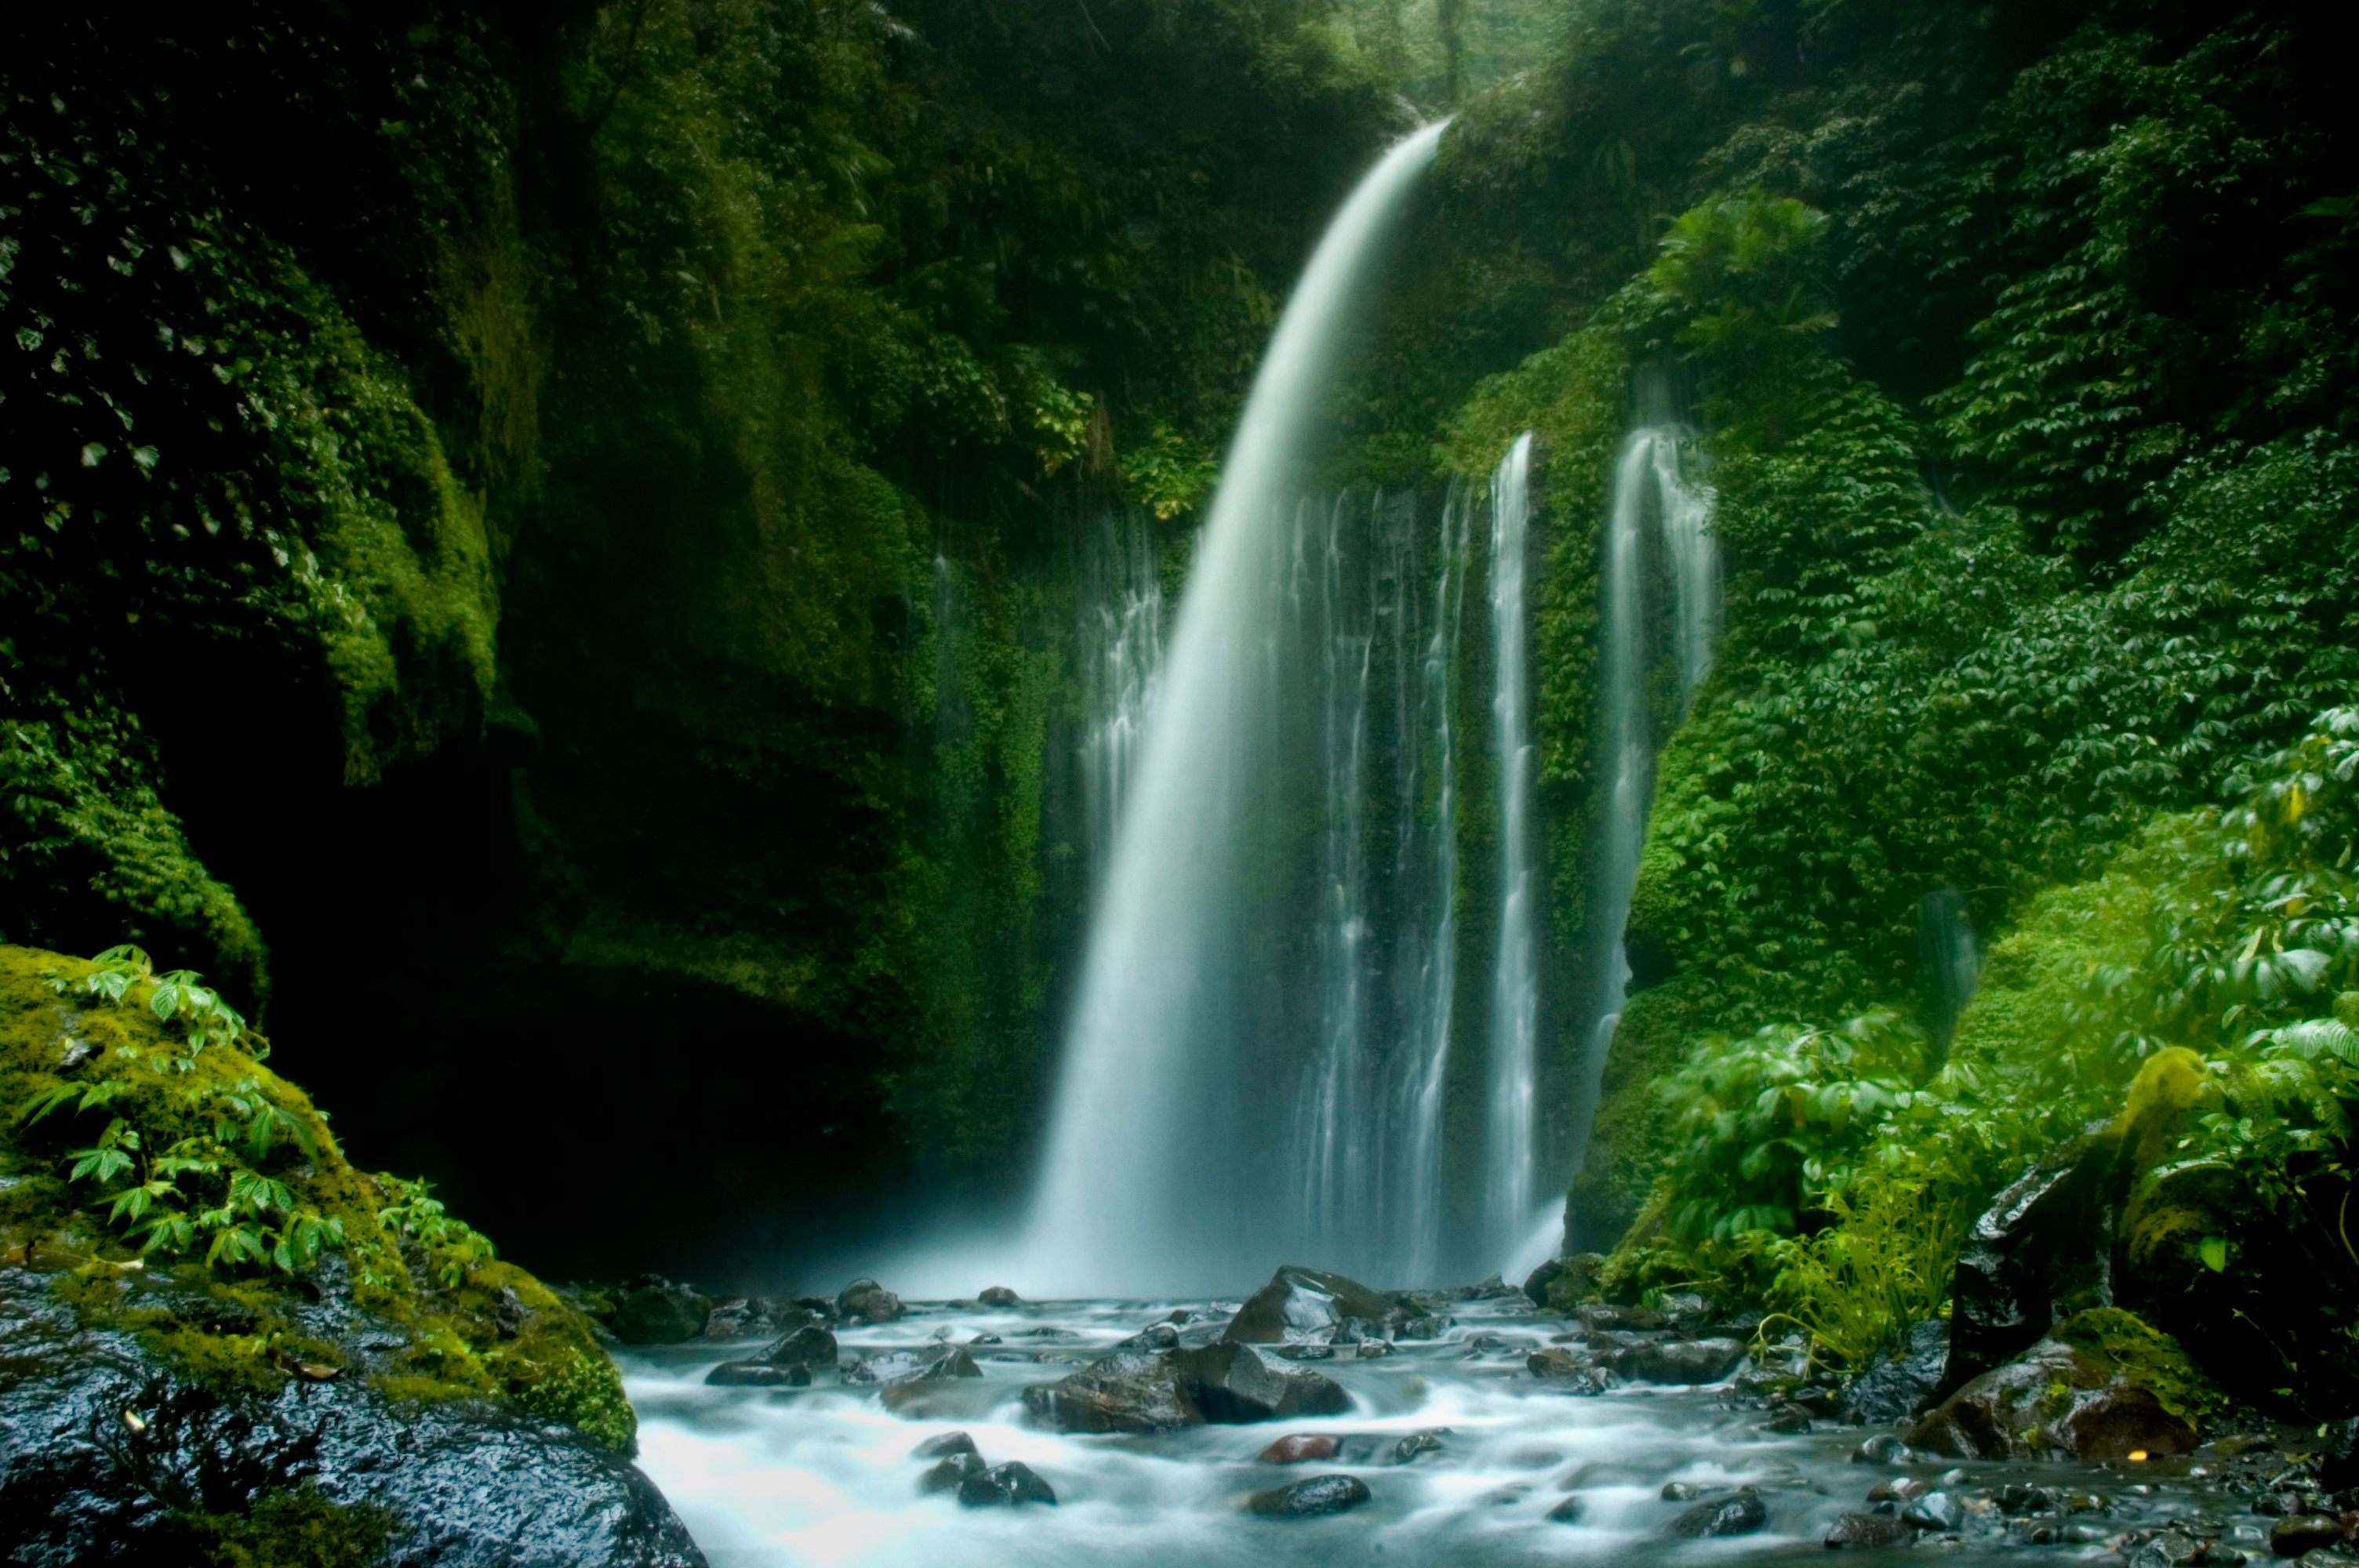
(823, 1476)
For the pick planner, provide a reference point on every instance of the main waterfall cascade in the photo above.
(1165, 1165)
(1258, 1061)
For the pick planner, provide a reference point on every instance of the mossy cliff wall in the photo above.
(577, 509)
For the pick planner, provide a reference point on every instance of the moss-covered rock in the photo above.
(388, 1307)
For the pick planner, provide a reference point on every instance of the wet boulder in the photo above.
(1007, 1486)
(2042, 1250)
(758, 1375)
(98, 1427)
(1298, 1448)
(1306, 1305)
(951, 1472)
(1309, 1498)
(1901, 1380)
(1678, 1360)
(1140, 1388)
(1858, 1530)
(739, 1317)
(1740, 1513)
(652, 1310)
(943, 1445)
(2056, 1398)
(2297, 1533)
(810, 1346)
(998, 1296)
(865, 1301)
(923, 1364)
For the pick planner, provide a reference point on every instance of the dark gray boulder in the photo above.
(471, 1483)
(999, 1296)
(1857, 1529)
(1006, 1486)
(951, 1472)
(810, 1346)
(1309, 1498)
(1143, 1388)
(2042, 1251)
(1901, 1380)
(757, 1375)
(1740, 1513)
(1302, 1304)
(865, 1301)
(943, 1445)
(652, 1310)
(1678, 1360)
(2055, 1400)
(919, 1364)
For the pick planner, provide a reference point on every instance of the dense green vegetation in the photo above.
(583, 508)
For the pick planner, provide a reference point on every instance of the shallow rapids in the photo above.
(772, 1477)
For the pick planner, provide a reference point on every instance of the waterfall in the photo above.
(1121, 637)
(1649, 481)
(1167, 1167)
(1508, 1176)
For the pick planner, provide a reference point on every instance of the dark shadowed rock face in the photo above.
(1900, 1383)
(2042, 1251)
(472, 1484)
(652, 1310)
(2056, 1400)
(865, 1301)
(1151, 1385)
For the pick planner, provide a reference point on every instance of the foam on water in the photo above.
(769, 1478)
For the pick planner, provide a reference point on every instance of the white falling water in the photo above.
(1159, 1173)
(1649, 483)
(1122, 664)
(1509, 1176)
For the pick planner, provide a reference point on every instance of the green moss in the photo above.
(1630, 1136)
(293, 1529)
(457, 1347)
(2120, 1341)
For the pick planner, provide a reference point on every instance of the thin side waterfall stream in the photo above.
(1656, 549)
(1509, 1176)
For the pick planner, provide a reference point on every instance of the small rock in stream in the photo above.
(1680, 1361)
(1739, 1515)
(1570, 1510)
(999, 1296)
(1936, 1511)
(810, 1346)
(757, 1375)
(1417, 1443)
(2304, 1532)
(868, 1302)
(1857, 1529)
(1786, 1419)
(951, 1474)
(1309, 1498)
(1883, 1448)
(896, 1366)
(1681, 1492)
(1005, 1485)
(1299, 1448)
(942, 1445)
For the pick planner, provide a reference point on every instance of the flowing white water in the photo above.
(824, 1476)
(1158, 1174)
(1510, 1178)
(1122, 665)
(1649, 484)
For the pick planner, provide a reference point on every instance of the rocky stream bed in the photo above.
(1478, 1429)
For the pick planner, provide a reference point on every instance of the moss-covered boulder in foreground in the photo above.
(307, 1358)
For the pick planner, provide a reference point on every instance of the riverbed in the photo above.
(824, 1476)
